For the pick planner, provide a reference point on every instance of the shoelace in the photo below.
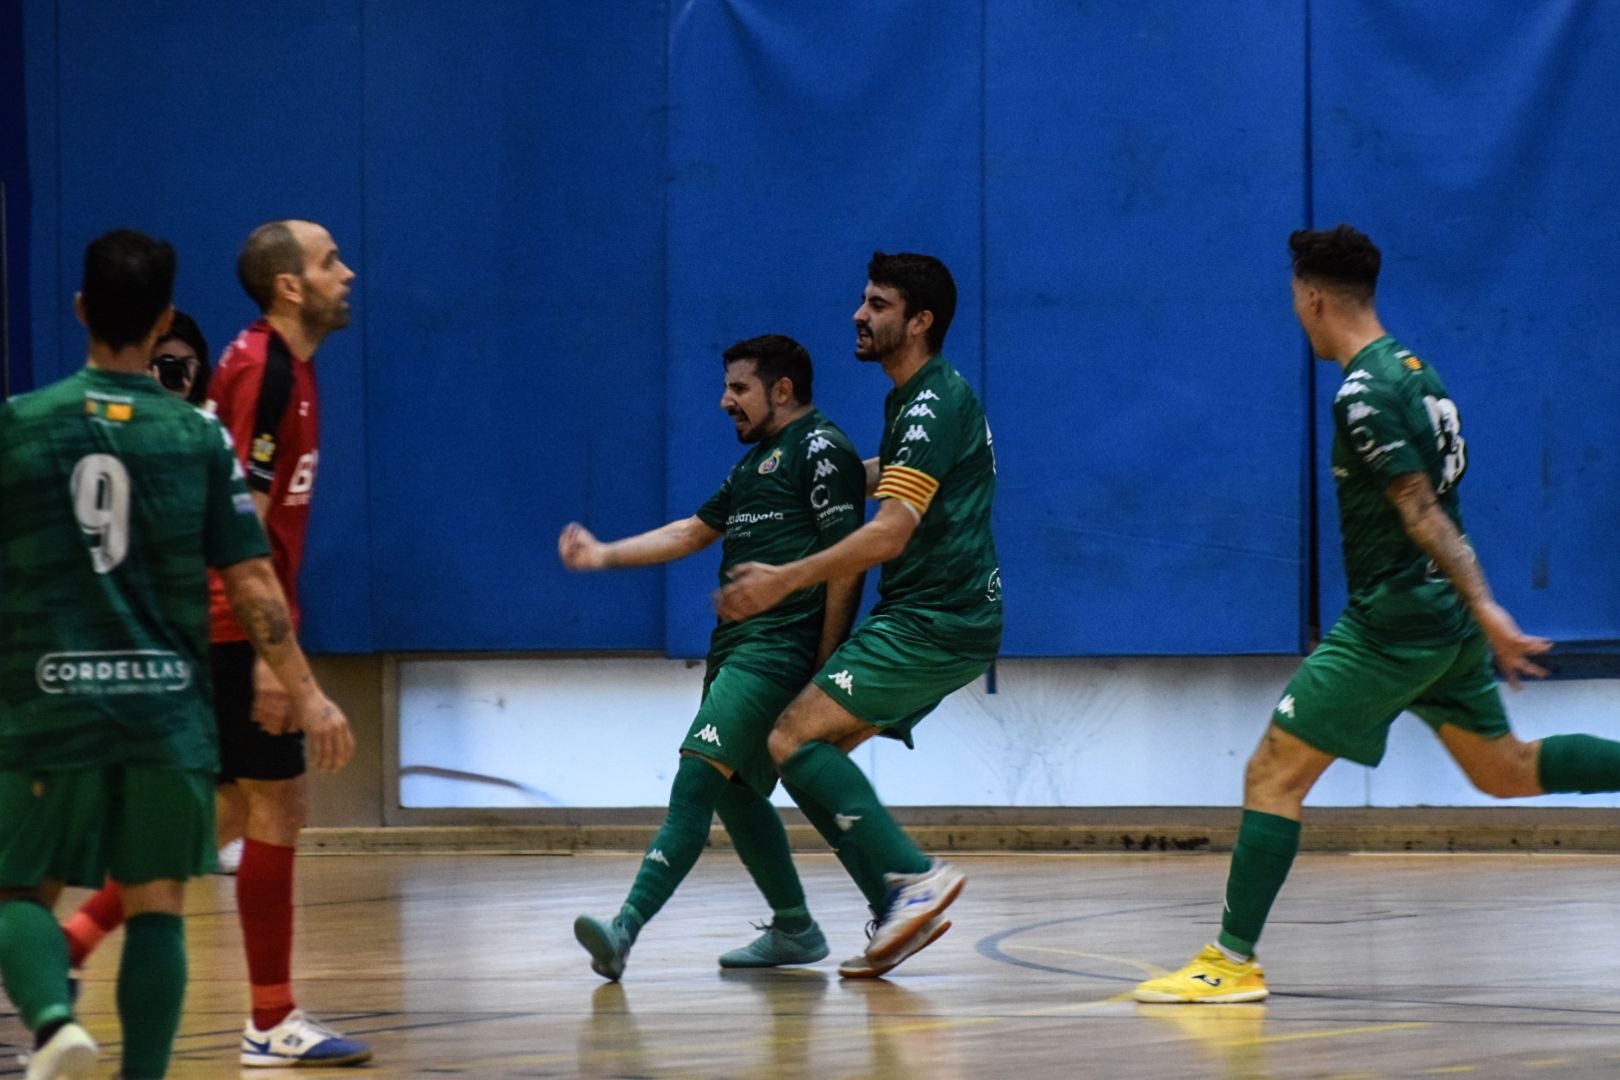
(320, 1028)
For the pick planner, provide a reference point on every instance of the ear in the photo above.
(165, 321)
(920, 323)
(290, 288)
(782, 391)
(78, 310)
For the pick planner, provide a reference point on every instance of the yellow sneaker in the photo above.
(1211, 977)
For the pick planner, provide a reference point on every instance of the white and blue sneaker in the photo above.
(914, 901)
(70, 1052)
(862, 966)
(299, 1041)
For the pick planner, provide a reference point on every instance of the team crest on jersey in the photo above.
(264, 448)
(769, 465)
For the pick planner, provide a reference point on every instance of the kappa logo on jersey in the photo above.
(919, 409)
(915, 433)
(992, 587)
(1359, 411)
(769, 465)
(708, 735)
(656, 856)
(845, 682)
(824, 469)
(1340, 474)
(817, 445)
(1286, 705)
(927, 395)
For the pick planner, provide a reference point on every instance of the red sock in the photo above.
(264, 904)
(96, 918)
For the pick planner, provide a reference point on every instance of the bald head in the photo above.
(271, 249)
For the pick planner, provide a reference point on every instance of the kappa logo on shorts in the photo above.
(1286, 705)
(845, 682)
(708, 735)
(846, 822)
(657, 856)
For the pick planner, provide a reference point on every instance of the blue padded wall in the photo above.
(1481, 155)
(1144, 376)
(515, 339)
(562, 214)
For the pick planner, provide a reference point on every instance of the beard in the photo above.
(323, 316)
(881, 346)
(753, 433)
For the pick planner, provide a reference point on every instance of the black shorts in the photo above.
(247, 751)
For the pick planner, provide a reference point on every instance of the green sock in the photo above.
(867, 878)
(151, 992)
(824, 773)
(675, 850)
(34, 963)
(1265, 849)
(1578, 763)
(762, 844)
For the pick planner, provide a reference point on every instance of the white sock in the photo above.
(1235, 957)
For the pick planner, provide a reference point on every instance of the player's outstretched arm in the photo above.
(757, 587)
(1431, 530)
(580, 550)
(257, 600)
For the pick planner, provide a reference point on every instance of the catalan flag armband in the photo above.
(911, 486)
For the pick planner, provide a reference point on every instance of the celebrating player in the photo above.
(937, 626)
(1419, 631)
(115, 497)
(798, 490)
(264, 393)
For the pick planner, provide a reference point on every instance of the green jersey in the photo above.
(937, 460)
(793, 494)
(115, 497)
(1392, 416)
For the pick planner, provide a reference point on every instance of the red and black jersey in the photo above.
(265, 396)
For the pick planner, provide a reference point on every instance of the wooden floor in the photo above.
(1381, 966)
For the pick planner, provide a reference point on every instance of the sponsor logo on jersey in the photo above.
(919, 409)
(817, 445)
(992, 587)
(845, 682)
(243, 502)
(303, 408)
(1359, 411)
(824, 469)
(132, 671)
(769, 465)
(1286, 705)
(119, 412)
(819, 497)
(657, 856)
(754, 519)
(915, 433)
(116, 410)
(708, 735)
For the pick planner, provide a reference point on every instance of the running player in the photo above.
(797, 490)
(114, 499)
(264, 393)
(1418, 634)
(937, 626)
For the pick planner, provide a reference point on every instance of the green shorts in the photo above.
(1344, 697)
(132, 823)
(891, 673)
(740, 706)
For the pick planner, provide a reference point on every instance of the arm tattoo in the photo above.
(268, 622)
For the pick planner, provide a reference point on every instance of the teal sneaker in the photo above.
(776, 948)
(607, 942)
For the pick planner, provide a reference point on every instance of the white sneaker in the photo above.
(914, 900)
(298, 1040)
(230, 857)
(70, 1053)
(862, 966)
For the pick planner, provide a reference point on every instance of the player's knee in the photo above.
(783, 743)
(285, 803)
